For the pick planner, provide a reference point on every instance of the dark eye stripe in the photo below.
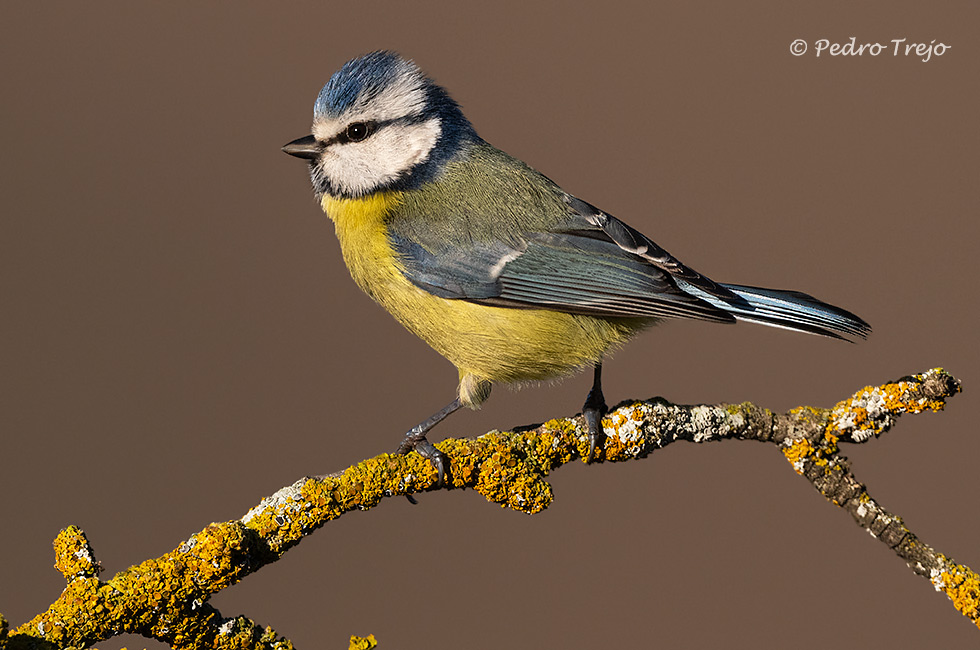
(356, 132)
(371, 127)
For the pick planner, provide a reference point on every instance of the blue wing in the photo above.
(559, 271)
(587, 263)
(594, 264)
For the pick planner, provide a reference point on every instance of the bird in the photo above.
(496, 267)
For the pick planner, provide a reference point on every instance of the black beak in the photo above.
(306, 147)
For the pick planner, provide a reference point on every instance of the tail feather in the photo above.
(788, 309)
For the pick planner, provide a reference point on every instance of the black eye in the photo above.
(358, 131)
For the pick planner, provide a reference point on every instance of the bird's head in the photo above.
(380, 124)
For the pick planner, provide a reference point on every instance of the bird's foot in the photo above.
(593, 421)
(415, 442)
(593, 411)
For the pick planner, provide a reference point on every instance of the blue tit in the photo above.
(491, 263)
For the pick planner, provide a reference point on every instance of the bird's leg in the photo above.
(593, 410)
(415, 438)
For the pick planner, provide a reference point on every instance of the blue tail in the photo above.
(788, 309)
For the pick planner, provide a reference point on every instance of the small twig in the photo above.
(166, 598)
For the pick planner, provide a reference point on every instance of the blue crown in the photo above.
(363, 77)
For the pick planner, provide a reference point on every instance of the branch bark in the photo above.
(166, 598)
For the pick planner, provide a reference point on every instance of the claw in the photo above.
(438, 459)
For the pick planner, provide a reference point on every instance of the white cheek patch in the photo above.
(359, 167)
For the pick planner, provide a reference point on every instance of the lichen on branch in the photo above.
(166, 598)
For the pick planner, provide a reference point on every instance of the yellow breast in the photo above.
(488, 343)
(360, 225)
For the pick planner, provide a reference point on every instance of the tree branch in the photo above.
(166, 598)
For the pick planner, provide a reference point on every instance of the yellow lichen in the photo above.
(511, 478)
(871, 410)
(362, 643)
(73, 555)
(963, 588)
(797, 452)
(807, 414)
(617, 445)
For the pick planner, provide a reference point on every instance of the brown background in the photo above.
(180, 337)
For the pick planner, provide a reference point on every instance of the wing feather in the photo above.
(534, 246)
(554, 270)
